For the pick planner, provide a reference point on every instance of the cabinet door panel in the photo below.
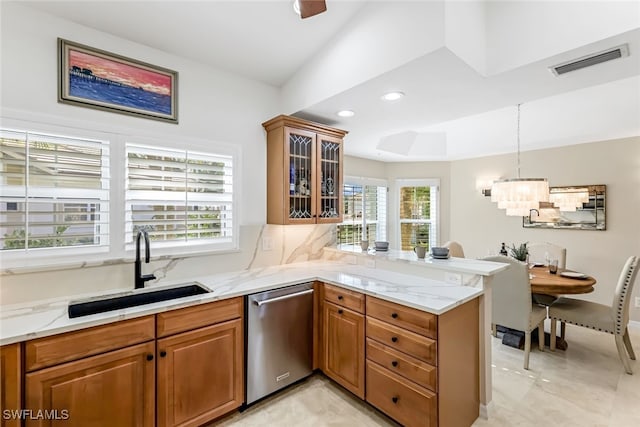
(329, 179)
(344, 347)
(200, 374)
(10, 382)
(300, 161)
(111, 389)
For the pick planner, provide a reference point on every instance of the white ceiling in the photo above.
(451, 110)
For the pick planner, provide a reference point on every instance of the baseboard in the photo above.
(486, 410)
(634, 324)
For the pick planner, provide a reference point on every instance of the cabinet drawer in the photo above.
(344, 297)
(402, 400)
(409, 318)
(186, 319)
(402, 364)
(408, 342)
(50, 351)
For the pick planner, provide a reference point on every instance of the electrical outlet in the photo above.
(267, 243)
(637, 302)
(454, 278)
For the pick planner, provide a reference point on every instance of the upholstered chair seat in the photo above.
(612, 319)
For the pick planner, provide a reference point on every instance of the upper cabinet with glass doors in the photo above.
(304, 172)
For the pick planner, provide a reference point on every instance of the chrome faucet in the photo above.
(139, 277)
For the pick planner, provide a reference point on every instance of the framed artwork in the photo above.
(94, 78)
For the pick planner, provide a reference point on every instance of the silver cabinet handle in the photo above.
(297, 294)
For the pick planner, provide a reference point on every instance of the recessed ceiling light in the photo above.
(346, 113)
(392, 96)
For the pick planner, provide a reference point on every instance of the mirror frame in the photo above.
(591, 216)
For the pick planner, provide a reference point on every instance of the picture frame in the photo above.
(588, 214)
(94, 78)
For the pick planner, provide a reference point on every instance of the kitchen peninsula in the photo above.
(427, 293)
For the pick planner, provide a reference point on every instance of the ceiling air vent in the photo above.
(589, 60)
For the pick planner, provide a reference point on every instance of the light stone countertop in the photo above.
(22, 322)
(459, 265)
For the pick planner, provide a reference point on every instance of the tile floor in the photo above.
(584, 386)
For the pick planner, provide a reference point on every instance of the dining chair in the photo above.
(610, 319)
(538, 250)
(455, 249)
(512, 306)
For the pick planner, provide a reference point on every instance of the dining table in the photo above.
(544, 282)
(556, 284)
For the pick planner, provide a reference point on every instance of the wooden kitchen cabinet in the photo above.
(10, 383)
(343, 345)
(116, 388)
(423, 369)
(200, 362)
(106, 375)
(200, 374)
(304, 172)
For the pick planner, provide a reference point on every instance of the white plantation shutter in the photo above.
(54, 192)
(418, 209)
(364, 206)
(381, 213)
(178, 196)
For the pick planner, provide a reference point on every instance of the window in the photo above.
(60, 196)
(365, 207)
(54, 192)
(178, 196)
(418, 213)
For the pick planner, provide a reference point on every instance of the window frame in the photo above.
(373, 182)
(415, 182)
(187, 247)
(42, 259)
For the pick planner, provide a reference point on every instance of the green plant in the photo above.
(520, 253)
(18, 238)
(422, 243)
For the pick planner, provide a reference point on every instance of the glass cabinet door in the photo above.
(329, 178)
(301, 168)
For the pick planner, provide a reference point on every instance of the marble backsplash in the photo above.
(260, 246)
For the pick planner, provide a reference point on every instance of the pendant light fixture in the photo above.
(519, 195)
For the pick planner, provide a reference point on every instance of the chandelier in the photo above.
(519, 195)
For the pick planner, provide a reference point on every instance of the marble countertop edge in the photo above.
(39, 319)
(461, 265)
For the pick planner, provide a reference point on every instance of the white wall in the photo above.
(212, 105)
(480, 226)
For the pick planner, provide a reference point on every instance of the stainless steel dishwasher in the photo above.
(279, 339)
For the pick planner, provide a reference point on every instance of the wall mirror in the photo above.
(577, 208)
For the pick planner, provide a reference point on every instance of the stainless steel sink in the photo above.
(85, 308)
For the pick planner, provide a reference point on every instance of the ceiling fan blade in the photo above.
(311, 7)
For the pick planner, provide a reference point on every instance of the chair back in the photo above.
(455, 249)
(622, 296)
(537, 251)
(511, 294)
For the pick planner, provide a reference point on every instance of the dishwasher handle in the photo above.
(283, 297)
